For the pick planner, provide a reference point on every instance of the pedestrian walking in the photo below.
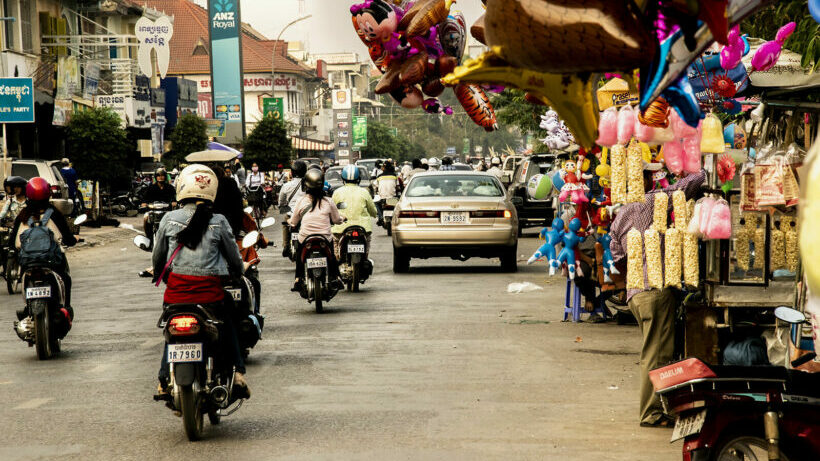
(72, 180)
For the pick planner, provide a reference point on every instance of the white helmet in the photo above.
(424, 161)
(434, 162)
(197, 182)
(496, 161)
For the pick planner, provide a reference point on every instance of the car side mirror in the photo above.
(80, 219)
(248, 210)
(250, 239)
(517, 201)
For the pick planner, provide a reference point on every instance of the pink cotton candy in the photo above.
(626, 124)
(673, 156)
(642, 132)
(720, 223)
(706, 206)
(608, 128)
(679, 127)
(662, 135)
(691, 154)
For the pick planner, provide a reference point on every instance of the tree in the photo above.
(190, 135)
(268, 144)
(512, 108)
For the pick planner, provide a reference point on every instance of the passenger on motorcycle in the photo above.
(316, 213)
(15, 187)
(194, 248)
(255, 184)
(38, 193)
(159, 191)
(292, 191)
(359, 207)
(387, 186)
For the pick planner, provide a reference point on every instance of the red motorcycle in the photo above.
(734, 413)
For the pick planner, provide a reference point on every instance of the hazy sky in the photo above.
(329, 30)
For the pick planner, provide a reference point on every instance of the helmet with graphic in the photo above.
(196, 182)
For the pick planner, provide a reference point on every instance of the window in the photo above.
(25, 26)
(8, 25)
(455, 186)
(24, 170)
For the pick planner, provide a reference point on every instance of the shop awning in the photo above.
(310, 144)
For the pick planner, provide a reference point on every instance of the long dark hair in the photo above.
(192, 235)
(316, 196)
(33, 209)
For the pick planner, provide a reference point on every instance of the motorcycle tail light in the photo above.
(183, 325)
(354, 233)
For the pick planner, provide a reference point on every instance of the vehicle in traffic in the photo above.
(50, 171)
(317, 287)
(156, 211)
(508, 167)
(355, 267)
(462, 167)
(531, 212)
(455, 214)
(333, 176)
(370, 163)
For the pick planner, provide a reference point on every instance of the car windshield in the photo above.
(454, 186)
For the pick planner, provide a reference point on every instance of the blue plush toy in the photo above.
(608, 263)
(571, 240)
(553, 237)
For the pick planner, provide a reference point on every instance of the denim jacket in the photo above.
(216, 255)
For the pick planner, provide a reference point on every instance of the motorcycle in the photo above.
(8, 259)
(388, 206)
(355, 267)
(727, 413)
(44, 321)
(317, 286)
(128, 203)
(290, 239)
(156, 211)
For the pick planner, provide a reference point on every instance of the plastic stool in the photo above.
(572, 302)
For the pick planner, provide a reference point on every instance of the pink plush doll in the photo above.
(574, 189)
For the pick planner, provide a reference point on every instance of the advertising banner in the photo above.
(16, 100)
(359, 131)
(92, 80)
(226, 59)
(63, 108)
(342, 100)
(154, 35)
(205, 105)
(68, 77)
(274, 107)
(215, 128)
(115, 102)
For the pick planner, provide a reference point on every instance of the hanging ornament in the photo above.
(724, 86)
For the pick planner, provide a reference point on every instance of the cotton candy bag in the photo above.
(608, 128)
(626, 124)
(720, 221)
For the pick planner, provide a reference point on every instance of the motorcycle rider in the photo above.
(387, 186)
(418, 167)
(495, 170)
(447, 164)
(316, 213)
(255, 185)
(194, 248)
(292, 191)
(15, 187)
(38, 193)
(434, 164)
(359, 207)
(159, 191)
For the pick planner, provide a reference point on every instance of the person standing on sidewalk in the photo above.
(72, 179)
(240, 173)
(653, 309)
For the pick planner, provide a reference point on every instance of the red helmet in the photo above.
(38, 189)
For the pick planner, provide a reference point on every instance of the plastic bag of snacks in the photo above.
(660, 212)
(769, 177)
(634, 260)
(777, 256)
(694, 222)
(680, 209)
(720, 221)
(674, 248)
(792, 251)
(673, 156)
(654, 261)
(608, 128)
(626, 124)
(617, 156)
(742, 246)
(634, 159)
(691, 275)
(711, 140)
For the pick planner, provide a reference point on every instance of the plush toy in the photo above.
(552, 237)
(570, 240)
(574, 188)
(609, 264)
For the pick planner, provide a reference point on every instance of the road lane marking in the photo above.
(3, 383)
(33, 403)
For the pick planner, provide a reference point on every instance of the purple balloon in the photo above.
(767, 55)
(732, 53)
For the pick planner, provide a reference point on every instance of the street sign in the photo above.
(274, 107)
(394, 131)
(466, 149)
(451, 150)
(16, 100)
(359, 131)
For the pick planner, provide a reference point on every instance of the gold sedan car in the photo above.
(455, 214)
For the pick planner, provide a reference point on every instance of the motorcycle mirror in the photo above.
(341, 205)
(250, 239)
(267, 222)
(377, 198)
(142, 242)
(248, 210)
(80, 219)
(789, 315)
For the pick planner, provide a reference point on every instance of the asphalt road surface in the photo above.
(438, 364)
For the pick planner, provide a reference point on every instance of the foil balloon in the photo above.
(423, 15)
(657, 115)
(814, 9)
(452, 35)
(767, 55)
(681, 96)
(477, 105)
(732, 53)
(567, 36)
(376, 20)
(409, 97)
(434, 106)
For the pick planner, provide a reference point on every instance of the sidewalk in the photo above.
(96, 236)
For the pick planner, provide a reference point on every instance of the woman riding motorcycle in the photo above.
(15, 187)
(316, 213)
(193, 249)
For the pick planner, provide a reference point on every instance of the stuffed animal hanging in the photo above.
(570, 240)
(552, 237)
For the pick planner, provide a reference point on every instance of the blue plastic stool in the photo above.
(572, 302)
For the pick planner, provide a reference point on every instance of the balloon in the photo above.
(814, 9)
(681, 96)
(409, 97)
(475, 101)
(731, 54)
(626, 124)
(452, 35)
(608, 128)
(539, 186)
(423, 15)
(434, 106)
(711, 140)
(557, 180)
(567, 36)
(376, 20)
(767, 55)
(657, 115)
(477, 30)
(390, 80)
(570, 95)
(735, 136)
(414, 69)
(673, 156)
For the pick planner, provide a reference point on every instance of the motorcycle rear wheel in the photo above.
(192, 418)
(42, 330)
(354, 283)
(318, 295)
(744, 448)
(12, 276)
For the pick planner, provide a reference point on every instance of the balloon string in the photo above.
(704, 81)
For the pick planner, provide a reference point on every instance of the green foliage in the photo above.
(806, 38)
(268, 144)
(98, 145)
(381, 143)
(512, 109)
(189, 136)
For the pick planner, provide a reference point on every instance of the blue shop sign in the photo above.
(16, 100)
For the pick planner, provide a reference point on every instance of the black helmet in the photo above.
(379, 163)
(314, 179)
(15, 181)
(299, 169)
(314, 166)
(447, 160)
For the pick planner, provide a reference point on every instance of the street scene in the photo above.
(410, 229)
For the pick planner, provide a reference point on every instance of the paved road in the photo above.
(437, 364)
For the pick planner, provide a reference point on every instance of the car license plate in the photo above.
(689, 425)
(38, 292)
(450, 217)
(355, 249)
(236, 293)
(316, 263)
(181, 353)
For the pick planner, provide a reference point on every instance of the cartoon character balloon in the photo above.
(570, 240)
(452, 35)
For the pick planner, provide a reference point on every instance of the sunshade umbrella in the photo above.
(211, 155)
(217, 146)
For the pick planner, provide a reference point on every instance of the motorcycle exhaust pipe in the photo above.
(770, 424)
(219, 394)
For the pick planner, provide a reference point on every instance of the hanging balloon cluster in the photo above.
(414, 44)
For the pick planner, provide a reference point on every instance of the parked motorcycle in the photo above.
(8, 260)
(44, 321)
(728, 413)
(313, 253)
(128, 203)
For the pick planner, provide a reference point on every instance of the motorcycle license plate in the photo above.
(38, 292)
(449, 217)
(294, 238)
(181, 353)
(355, 249)
(688, 425)
(388, 213)
(316, 263)
(236, 293)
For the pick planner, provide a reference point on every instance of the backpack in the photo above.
(38, 247)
